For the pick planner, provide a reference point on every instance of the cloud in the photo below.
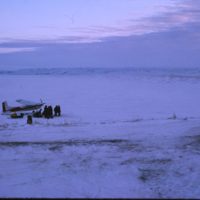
(177, 16)
(6, 50)
(181, 14)
(176, 47)
(178, 13)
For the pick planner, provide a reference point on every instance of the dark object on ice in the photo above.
(29, 119)
(49, 112)
(37, 114)
(173, 117)
(15, 116)
(57, 111)
(45, 112)
(4, 106)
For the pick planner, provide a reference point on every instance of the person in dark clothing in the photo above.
(45, 112)
(55, 110)
(50, 112)
(15, 115)
(37, 114)
(29, 119)
(58, 110)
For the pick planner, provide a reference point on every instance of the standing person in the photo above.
(58, 110)
(55, 110)
(29, 119)
(45, 112)
(50, 111)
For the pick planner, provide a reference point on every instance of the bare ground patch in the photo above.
(191, 143)
(162, 161)
(67, 143)
(150, 174)
(59, 145)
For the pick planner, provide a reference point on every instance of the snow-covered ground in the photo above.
(116, 138)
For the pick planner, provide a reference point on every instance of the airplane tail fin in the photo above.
(41, 101)
(4, 106)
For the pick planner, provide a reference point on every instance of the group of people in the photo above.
(15, 116)
(48, 112)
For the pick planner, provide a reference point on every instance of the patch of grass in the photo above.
(150, 174)
(55, 148)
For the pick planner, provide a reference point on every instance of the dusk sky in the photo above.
(99, 33)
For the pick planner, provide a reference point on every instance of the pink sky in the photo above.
(89, 20)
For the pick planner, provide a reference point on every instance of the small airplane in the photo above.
(27, 107)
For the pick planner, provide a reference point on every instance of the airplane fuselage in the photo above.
(25, 108)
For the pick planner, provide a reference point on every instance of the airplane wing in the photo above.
(25, 102)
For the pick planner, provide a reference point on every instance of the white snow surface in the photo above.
(115, 138)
